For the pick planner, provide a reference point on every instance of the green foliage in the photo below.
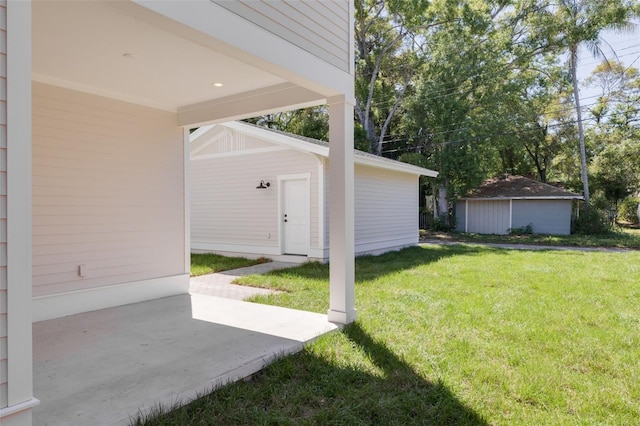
(441, 224)
(592, 222)
(628, 210)
(312, 122)
(523, 230)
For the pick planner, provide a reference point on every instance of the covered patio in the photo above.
(102, 367)
(99, 100)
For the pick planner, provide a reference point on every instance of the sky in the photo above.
(627, 48)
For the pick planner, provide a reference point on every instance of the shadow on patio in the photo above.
(102, 367)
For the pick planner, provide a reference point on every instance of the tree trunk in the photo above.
(443, 203)
(583, 152)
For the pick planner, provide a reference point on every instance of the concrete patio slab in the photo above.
(102, 367)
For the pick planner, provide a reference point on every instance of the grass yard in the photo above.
(623, 237)
(208, 263)
(452, 335)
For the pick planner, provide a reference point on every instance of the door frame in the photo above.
(281, 179)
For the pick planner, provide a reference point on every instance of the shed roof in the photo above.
(314, 146)
(518, 187)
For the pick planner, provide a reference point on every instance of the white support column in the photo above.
(19, 381)
(341, 211)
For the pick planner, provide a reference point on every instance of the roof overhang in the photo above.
(299, 144)
(171, 55)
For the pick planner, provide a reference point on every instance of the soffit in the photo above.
(93, 47)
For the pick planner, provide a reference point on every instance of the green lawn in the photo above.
(208, 263)
(623, 237)
(453, 335)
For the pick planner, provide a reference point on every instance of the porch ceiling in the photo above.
(124, 51)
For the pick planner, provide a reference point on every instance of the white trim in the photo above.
(254, 252)
(18, 408)
(75, 302)
(320, 254)
(240, 152)
(466, 216)
(511, 213)
(187, 202)
(236, 248)
(378, 251)
(297, 176)
(19, 222)
(394, 165)
(322, 243)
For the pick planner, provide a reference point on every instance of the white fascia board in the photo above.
(397, 166)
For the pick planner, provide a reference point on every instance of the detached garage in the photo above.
(259, 192)
(511, 202)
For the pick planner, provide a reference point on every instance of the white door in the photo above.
(295, 216)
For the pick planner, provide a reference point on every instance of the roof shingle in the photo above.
(509, 186)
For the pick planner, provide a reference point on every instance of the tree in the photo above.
(311, 122)
(580, 22)
(615, 136)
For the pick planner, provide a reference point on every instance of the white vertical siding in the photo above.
(108, 182)
(228, 213)
(545, 216)
(488, 217)
(319, 27)
(3, 205)
(386, 209)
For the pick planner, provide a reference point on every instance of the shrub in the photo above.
(442, 224)
(628, 210)
(595, 222)
(523, 230)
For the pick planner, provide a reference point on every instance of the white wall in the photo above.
(228, 213)
(386, 209)
(3, 211)
(108, 192)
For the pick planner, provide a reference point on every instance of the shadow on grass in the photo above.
(331, 384)
(425, 402)
(372, 267)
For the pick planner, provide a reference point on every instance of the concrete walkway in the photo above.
(220, 284)
(102, 367)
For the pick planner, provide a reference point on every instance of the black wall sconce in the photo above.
(263, 185)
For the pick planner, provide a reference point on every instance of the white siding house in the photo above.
(96, 102)
(257, 192)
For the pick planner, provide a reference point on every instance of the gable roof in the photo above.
(313, 146)
(518, 187)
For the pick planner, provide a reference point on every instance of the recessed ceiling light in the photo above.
(218, 84)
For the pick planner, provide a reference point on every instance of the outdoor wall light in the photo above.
(263, 185)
